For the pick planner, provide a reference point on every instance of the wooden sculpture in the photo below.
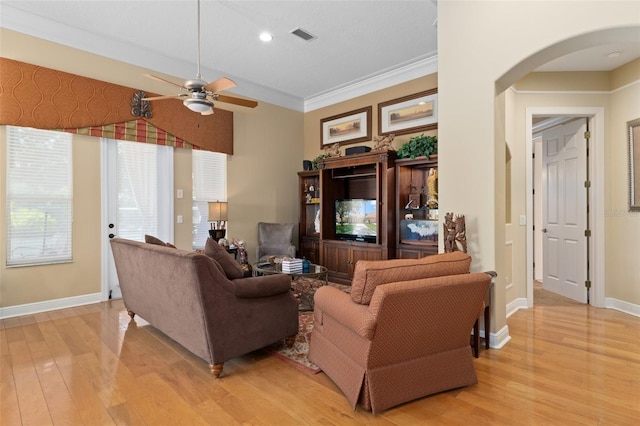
(383, 143)
(455, 237)
(332, 150)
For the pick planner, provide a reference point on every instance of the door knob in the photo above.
(544, 230)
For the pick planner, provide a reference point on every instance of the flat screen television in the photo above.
(356, 219)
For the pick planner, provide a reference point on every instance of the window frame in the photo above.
(63, 197)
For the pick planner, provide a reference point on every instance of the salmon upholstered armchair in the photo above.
(403, 332)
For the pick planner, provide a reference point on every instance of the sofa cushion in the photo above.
(231, 268)
(369, 274)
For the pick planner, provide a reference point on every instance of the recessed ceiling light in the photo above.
(266, 37)
(614, 54)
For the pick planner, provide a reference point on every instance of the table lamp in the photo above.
(218, 219)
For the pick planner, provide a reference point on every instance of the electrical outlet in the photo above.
(180, 219)
(180, 194)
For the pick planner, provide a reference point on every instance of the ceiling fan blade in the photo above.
(162, 80)
(157, 98)
(237, 101)
(219, 85)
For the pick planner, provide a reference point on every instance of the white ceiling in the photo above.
(359, 43)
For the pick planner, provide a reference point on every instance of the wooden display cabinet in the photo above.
(309, 215)
(417, 207)
(340, 257)
(368, 176)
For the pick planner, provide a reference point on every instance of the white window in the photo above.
(209, 184)
(39, 197)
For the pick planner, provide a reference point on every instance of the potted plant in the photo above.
(314, 162)
(419, 145)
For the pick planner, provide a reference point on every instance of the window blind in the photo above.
(39, 196)
(209, 184)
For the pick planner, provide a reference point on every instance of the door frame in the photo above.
(596, 165)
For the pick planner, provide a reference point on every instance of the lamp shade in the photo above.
(217, 211)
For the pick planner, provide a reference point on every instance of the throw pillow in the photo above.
(218, 253)
(150, 239)
(369, 274)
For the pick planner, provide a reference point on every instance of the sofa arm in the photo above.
(266, 285)
(335, 303)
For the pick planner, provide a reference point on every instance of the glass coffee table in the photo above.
(303, 284)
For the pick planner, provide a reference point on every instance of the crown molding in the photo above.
(386, 79)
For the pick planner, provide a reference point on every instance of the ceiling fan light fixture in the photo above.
(198, 105)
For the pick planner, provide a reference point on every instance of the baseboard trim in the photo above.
(499, 339)
(517, 304)
(622, 306)
(49, 305)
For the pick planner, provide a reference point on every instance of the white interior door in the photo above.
(137, 195)
(564, 214)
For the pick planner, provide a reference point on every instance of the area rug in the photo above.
(296, 355)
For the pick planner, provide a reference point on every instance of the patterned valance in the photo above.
(134, 131)
(33, 96)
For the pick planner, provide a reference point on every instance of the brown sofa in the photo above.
(403, 332)
(189, 298)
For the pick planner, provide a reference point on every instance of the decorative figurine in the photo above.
(383, 143)
(454, 233)
(432, 188)
(332, 150)
(414, 197)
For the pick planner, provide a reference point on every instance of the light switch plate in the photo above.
(180, 193)
(180, 220)
(523, 219)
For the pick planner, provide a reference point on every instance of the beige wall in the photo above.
(622, 226)
(262, 186)
(312, 119)
(262, 181)
(29, 284)
(501, 43)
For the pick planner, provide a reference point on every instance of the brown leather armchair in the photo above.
(402, 333)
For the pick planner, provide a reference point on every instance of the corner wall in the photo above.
(498, 38)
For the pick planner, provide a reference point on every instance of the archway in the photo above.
(597, 159)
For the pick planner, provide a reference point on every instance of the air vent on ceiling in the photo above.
(303, 34)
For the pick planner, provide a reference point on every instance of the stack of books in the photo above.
(292, 266)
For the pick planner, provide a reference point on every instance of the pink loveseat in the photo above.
(403, 332)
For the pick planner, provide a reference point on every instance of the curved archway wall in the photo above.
(500, 43)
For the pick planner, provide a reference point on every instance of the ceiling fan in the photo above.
(199, 95)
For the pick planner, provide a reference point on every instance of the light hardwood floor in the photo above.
(91, 365)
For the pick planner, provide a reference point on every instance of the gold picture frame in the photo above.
(347, 128)
(633, 135)
(409, 114)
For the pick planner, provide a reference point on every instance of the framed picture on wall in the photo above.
(409, 114)
(633, 134)
(350, 127)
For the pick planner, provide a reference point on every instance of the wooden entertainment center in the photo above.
(376, 177)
